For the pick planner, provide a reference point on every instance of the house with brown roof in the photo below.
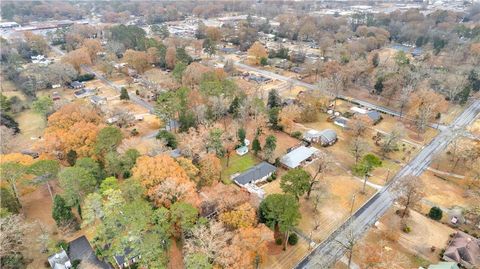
(463, 249)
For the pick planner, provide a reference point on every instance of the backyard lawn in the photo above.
(237, 164)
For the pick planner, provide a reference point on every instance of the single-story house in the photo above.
(463, 249)
(98, 100)
(444, 265)
(326, 137)
(78, 250)
(123, 262)
(77, 85)
(298, 157)
(258, 173)
(258, 79)
(372, 116)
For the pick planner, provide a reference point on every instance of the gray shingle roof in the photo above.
(258, 171)
(80, 249)
(374, 115)
(328, 135)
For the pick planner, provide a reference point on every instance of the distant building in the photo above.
(82, 93)
(77, 85)
(463, 249)
(98, 100)
(298, 157)
(258, 173)
(9, 24)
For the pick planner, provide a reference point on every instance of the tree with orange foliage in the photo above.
(226, 197)
(248, 248)
(152, 55)
(165, 180)
(136, 59)
(36, 42)
(213, 33)
(243, 216)
(426, 105)
(288, 116)
(73, 127)
(170, 57)
(210, 169)
(16, 158)
(256, 52)
(189, 168)
(77, 58)
(93, 47)
(192, 76)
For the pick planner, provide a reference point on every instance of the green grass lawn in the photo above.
(237, 164)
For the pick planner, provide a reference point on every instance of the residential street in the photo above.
(313, 87)
(330, 250)
(134, 98)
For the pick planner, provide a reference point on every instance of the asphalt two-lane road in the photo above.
(330, 250)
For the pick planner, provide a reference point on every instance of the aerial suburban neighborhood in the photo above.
(240, 134)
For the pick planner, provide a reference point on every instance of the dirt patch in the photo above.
(273, 248)
(175, 256)
(285, 259)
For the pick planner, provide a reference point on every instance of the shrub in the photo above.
(134, 132)
(85, 77)
(76, 263)
(170, 139)
(277, 162)
(293, 239)
(124, 94)
(407, 229)
(263, 61)
(62, 244)
(278, 241)
(435, 213)
(297, 134)
(272, 177)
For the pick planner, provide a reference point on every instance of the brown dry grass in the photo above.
(446, 192)
(285, 259)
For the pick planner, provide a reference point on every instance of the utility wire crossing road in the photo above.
(331, 249)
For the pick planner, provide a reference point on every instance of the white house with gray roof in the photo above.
(298, 157)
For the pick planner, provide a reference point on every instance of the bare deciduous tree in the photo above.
(12, 236)
(410, 192)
